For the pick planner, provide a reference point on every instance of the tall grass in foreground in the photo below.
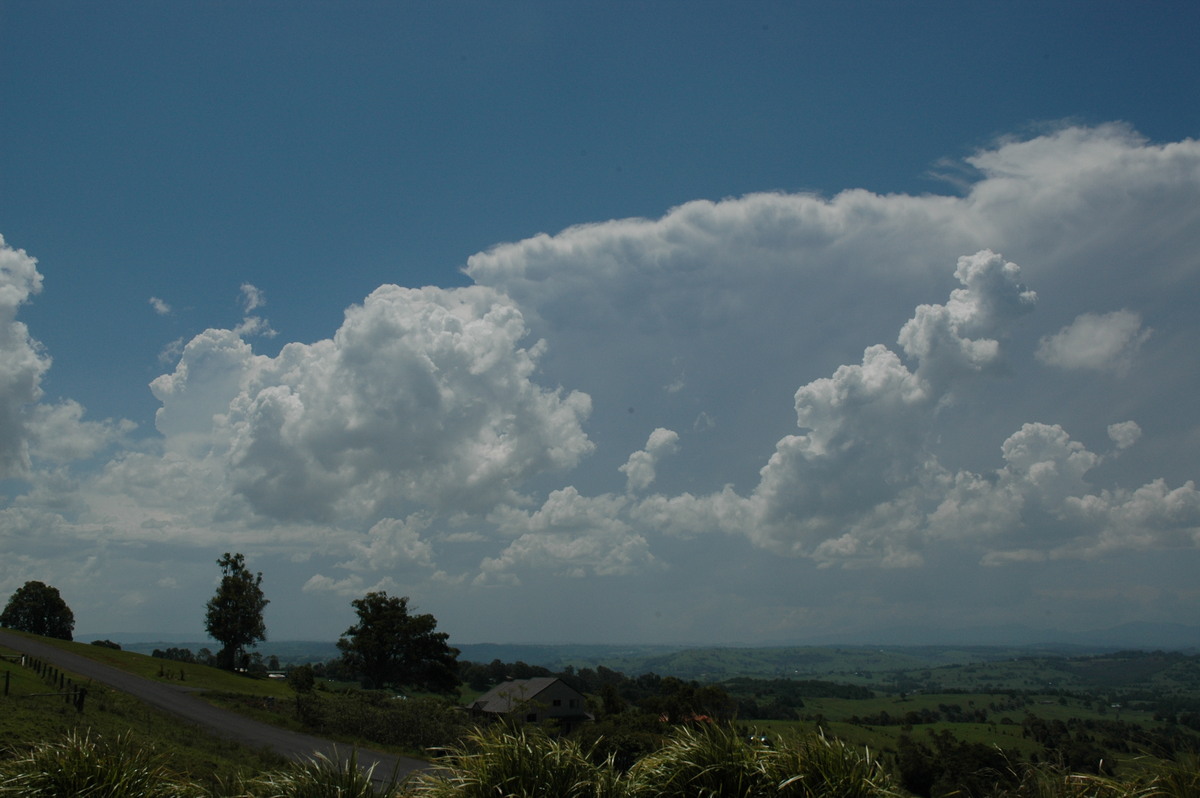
(1177, 779)
(524, 762)
(503, 762)
(319, 777)
(711, 762)
(717, 761)
(80, 765)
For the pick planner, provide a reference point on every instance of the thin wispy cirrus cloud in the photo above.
(778, 416)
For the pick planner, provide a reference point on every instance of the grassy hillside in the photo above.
(200, 677)
(31, 714)
(349, 716)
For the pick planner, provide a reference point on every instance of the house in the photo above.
(534, 701)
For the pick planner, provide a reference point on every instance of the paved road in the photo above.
(179, 701)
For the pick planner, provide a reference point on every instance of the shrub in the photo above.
(415, 723)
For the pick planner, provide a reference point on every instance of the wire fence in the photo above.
(61, 685)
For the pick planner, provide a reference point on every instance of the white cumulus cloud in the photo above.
(1124, 433)
(33, 432)
(569, 535)
(23, 362)
(422, 399)
(1108, 342)
(639, 469)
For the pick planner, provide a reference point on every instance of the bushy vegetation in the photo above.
(525, 762)
(413, 724)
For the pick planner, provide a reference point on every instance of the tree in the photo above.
(301, 679)
(303, 682)
(235, 614)
(390, 646)
(37, 608)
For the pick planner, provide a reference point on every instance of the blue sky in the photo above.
(648, 322)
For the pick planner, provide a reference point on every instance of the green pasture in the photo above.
(29, 716)
(1001, 727)
(201, 677)
(1119, 672)
(266, 700)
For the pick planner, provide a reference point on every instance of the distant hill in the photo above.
(1135, 635)
(892, 652)
(556, 657)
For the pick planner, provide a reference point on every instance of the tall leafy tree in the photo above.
(391, 646)
(38, 608)
(234, 615)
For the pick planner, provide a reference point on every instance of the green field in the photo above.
(1131, 709)
(31, 714)
(338, 712)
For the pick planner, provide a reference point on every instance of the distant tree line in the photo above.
(254, 662)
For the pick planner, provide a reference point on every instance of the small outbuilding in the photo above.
(544, 698)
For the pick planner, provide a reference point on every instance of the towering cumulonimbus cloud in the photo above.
(771, 383)
(862, 483)
(855, 478)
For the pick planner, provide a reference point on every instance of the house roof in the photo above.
(504, 698)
